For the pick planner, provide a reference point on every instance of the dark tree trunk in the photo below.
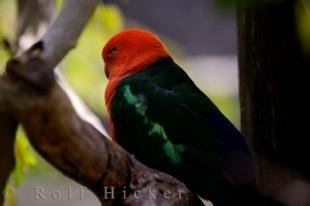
(274, 94)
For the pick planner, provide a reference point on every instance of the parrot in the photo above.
(158, 114)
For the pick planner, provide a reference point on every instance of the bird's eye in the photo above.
(112, 52)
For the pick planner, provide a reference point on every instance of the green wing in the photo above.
(155, 128)
(160, 116)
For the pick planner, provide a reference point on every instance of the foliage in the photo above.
(25, 157)
(303, 23)
(6, 18)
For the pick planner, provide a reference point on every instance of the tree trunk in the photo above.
(274, 94)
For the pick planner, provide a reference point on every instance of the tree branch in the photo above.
(65, 31)
(74, 146)
(29, 26)
(75, 13)
(33, 17)
(29, 93)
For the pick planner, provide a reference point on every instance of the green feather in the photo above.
(133, 100)
(174, 152)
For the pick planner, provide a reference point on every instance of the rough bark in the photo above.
(32, 17)
(29, 95)
(74, 146)
(274, 94)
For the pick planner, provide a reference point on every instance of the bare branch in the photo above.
(38, 14)
(29, 26)
(32, 20)
(60, 38)
(65, 31)
(30, 94)
(78, 149)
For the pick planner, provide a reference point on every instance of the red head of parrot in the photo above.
(128, 52)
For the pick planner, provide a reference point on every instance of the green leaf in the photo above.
(303, 23)
(25, 157)
(7, 11)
